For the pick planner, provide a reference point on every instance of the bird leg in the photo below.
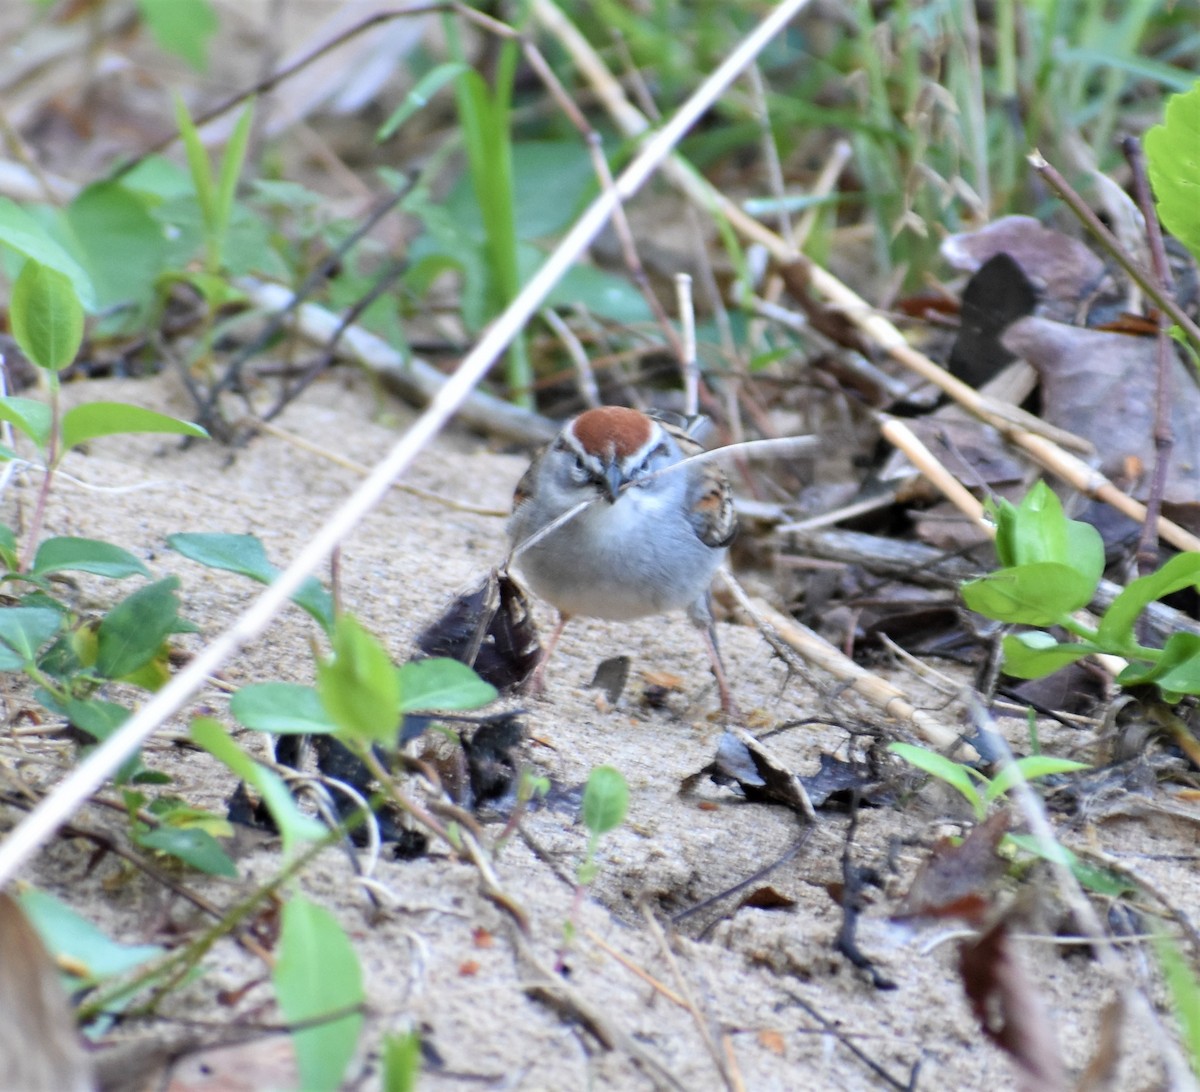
(728, 705)
(537, 681)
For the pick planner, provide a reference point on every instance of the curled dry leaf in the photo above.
(488, 627)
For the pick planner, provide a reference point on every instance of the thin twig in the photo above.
(1142, 276)
(1164, 437)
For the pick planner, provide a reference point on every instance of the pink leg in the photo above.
(537, 681)
(728, 705)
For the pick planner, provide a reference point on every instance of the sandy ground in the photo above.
(440, 956)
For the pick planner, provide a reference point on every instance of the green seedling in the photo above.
(1050, 567)
(977, 789)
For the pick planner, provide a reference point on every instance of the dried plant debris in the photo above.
(957, 880)
(759, 774)
(488, 627)
(1100, 385)
(993, 299)
(1064, 272)
(1010, 1009)
(39, 1045)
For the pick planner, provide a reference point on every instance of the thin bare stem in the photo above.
(1164, 438)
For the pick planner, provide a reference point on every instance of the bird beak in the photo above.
(612, 482)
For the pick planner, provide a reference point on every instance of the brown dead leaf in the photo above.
(955, 880)
(1010, 1010)
(1101, 387)
(468, 968)
(481, 937)
(1064, 270)
(767, 898)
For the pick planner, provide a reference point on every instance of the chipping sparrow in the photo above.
(640, 541)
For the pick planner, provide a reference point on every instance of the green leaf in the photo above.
(418, 98)
(1184, 989)
(318, 973)
(244, 554)
(8, 548)
(359, 687)
(605, 800)
(24, 631)
(1175, 168)
(182, 27)
(1040, 530)
(132, 633)
(401, 1061)
(22, 233)
(46, 316)
(85, 555)
(953, 773)
(193, 846)
(1094, 878)
(281, 708)
(77, 943)
(94, 419)
(1177, 670)
(198, 165)
(122, 245)
(1036, 654)
(1116, 627)
(1038, 594)
(441, 684)
(1031, 768)
(32, 417)
(231, 170)
(294, 826)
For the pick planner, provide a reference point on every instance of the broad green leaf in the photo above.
(77, 943)
(1036, 654)
(441, 684)
(100, 719)
(401, 1061)
(244, 554)
(1031, 767)
(953, 773)
(1038, 594)
(95, 419)
(605, 800)
(294, 826)
(46, 316)
(281, 708)
(418, 98)
(1040, 531)
(86, 555)
(1174, 167)
(122, 245)
(32, 417)
(317, 973)
(22, 233)
(182, 27)
(132, 633)
(194, 847)
(24, 631)
(1116, 627)
(359, 687)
